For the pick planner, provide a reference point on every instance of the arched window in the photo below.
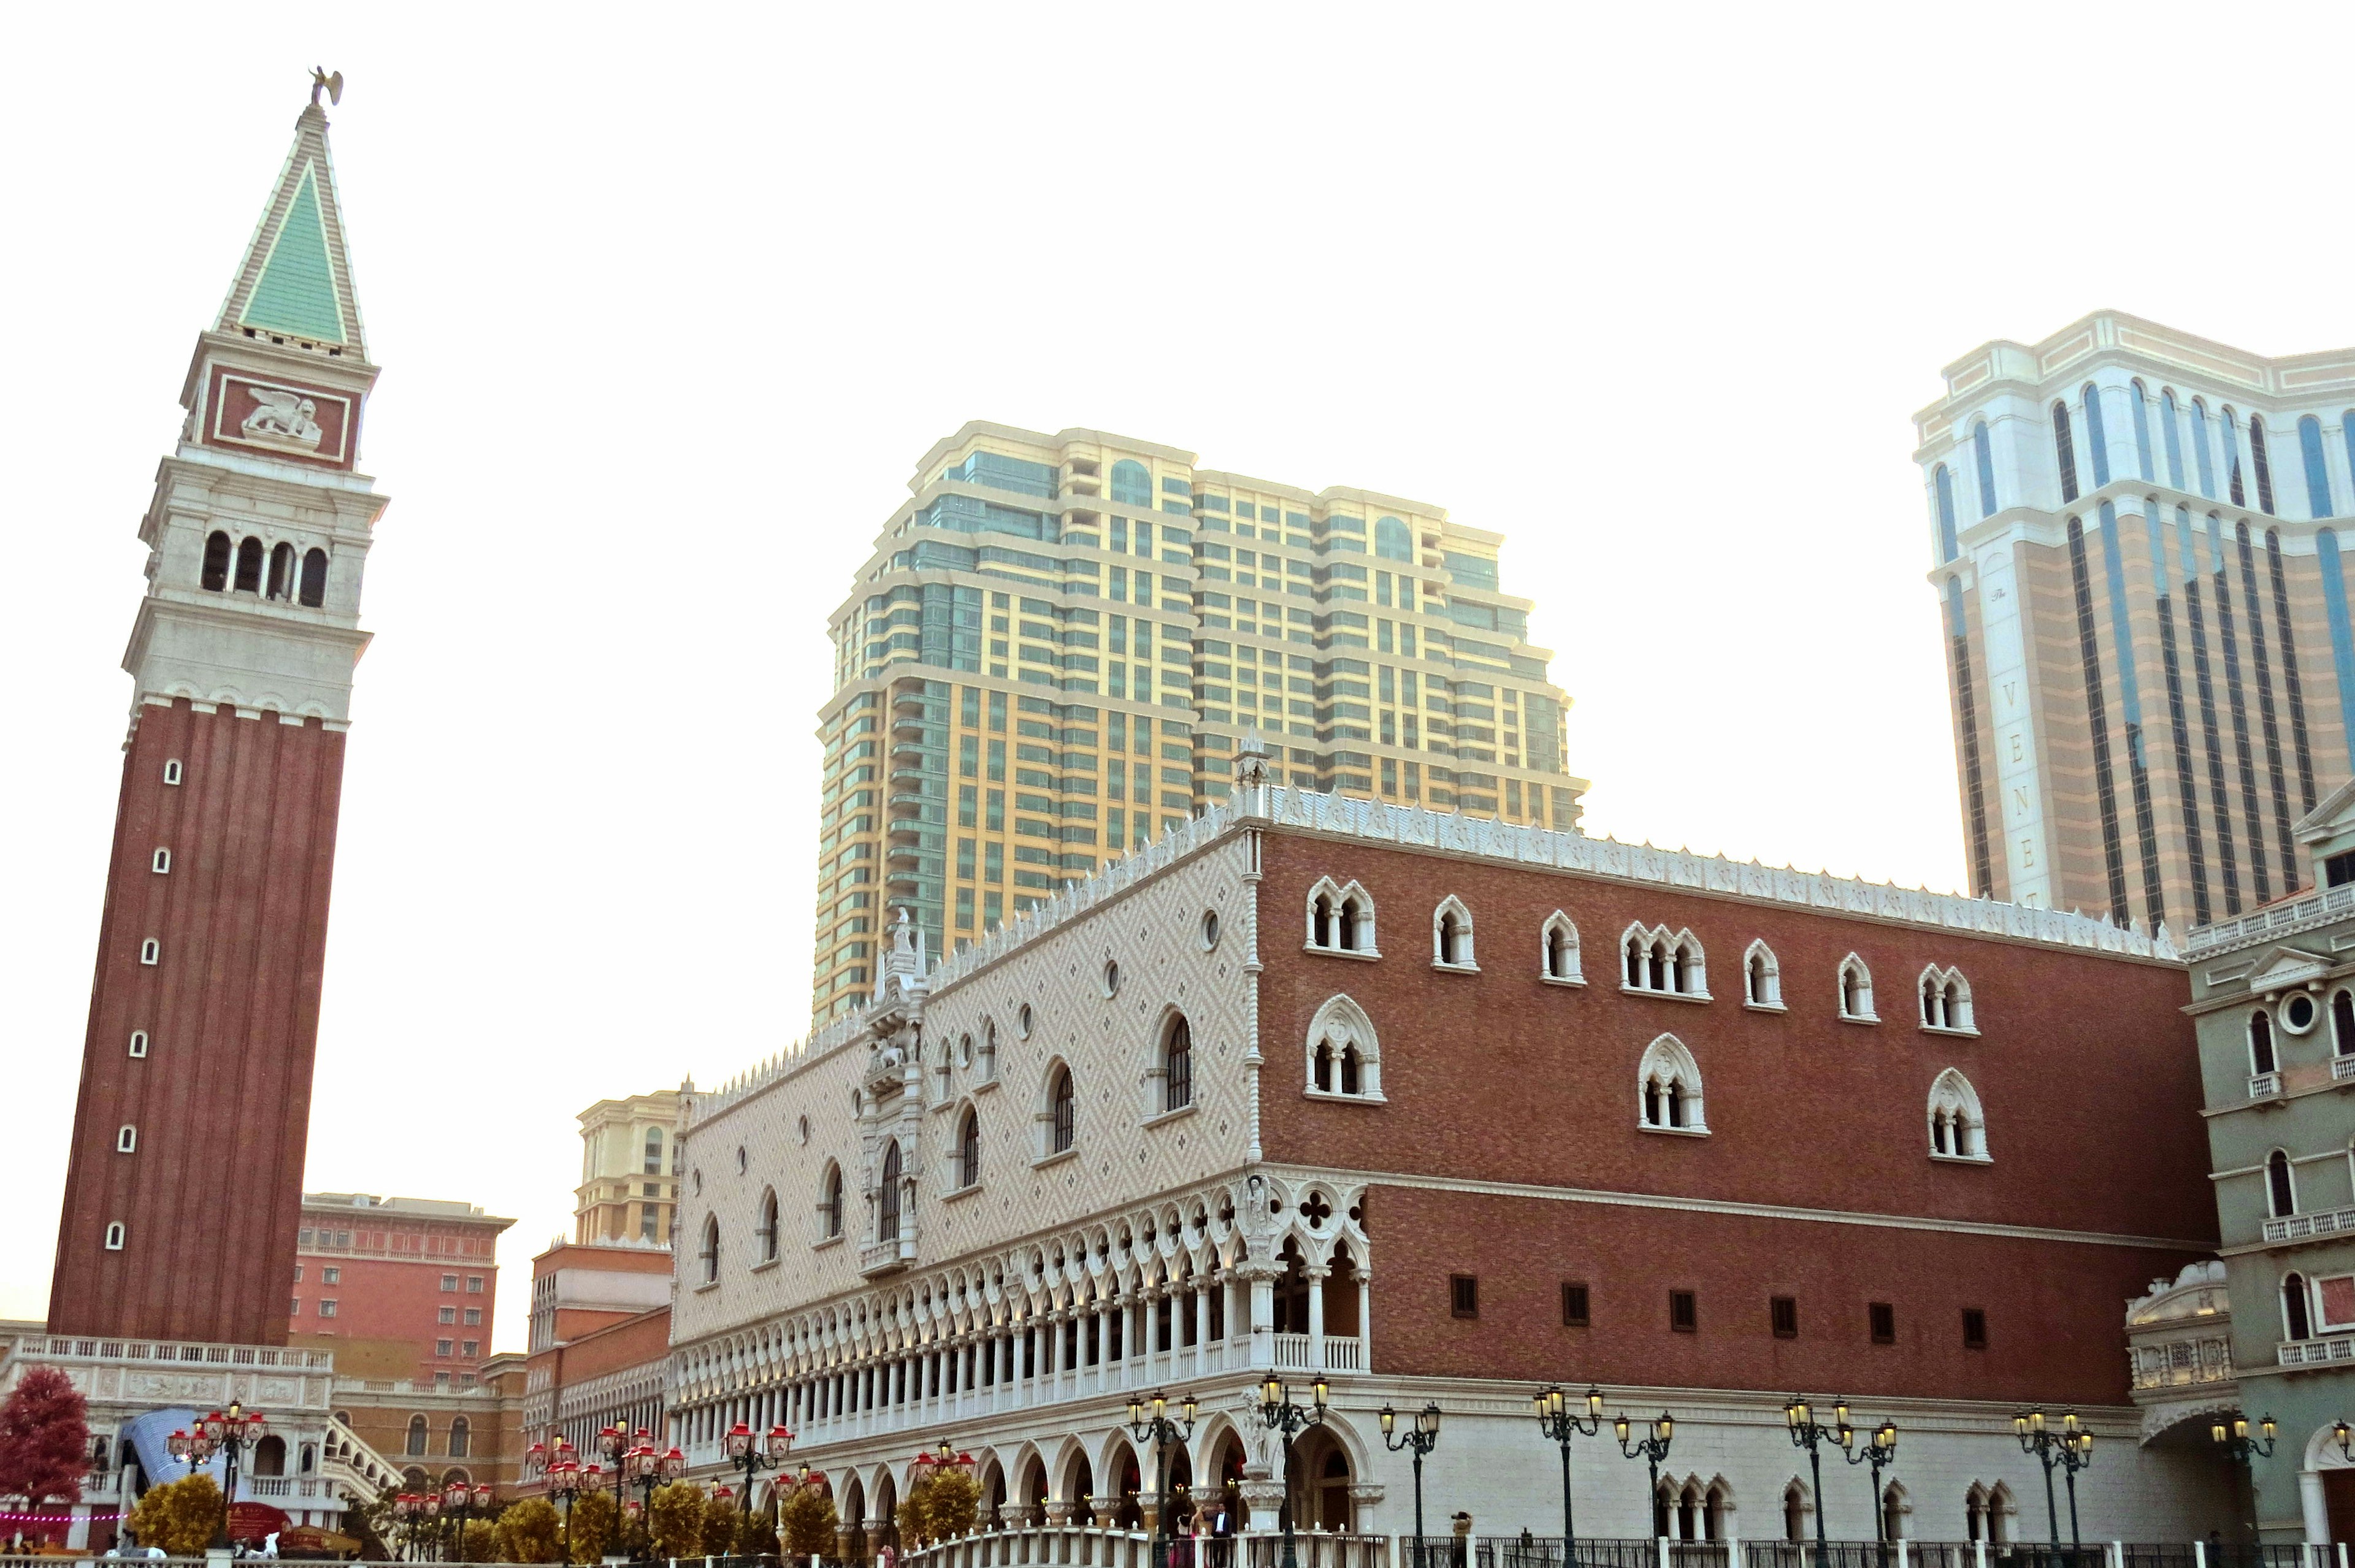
(1856, 991)
(1654, 959)
(1340, 917)
(2263, 463)
(2317, 468)
(710, 1251)
(887, 1198)
(1668, 1092)
(1949, 544)
(2261, 1043)
(2172, 429)
(1344, 1056)
(281, 571)
(2281, 1195)
(653, 1151)
(1131, 484)
(829, 1203)
(968, 1143)
(2297, 1317)
(2200, 449)
(1794, 1512)
(988, 1063)
(764, 1235)
(1451, 934)
(417, 1437)
(1178, 1064)
(2064, 451)
(2097, 435)
(2342, 1023)
(314, 578)
(1984, 450)
(460, 1435)
(1892, 1512)
(1558, 950)
(1946, 1000)
(1392, 539)
(1957, 1126)
(2141, 406)
(1761, 977)
(249, 566)
(2228, 430)
(214, 576)
(126, 1139)
(1062, 1110)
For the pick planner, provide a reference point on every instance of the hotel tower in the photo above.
(1059, 640)
(2134, 536)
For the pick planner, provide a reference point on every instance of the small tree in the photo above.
(808, 1522)
(720, 1518)
(940, 1506)
(479, 1542)
(675, 1520)
(596, 1525)
(44, 1439)
(754, 1536)
(181, 1516)
(529, 1531)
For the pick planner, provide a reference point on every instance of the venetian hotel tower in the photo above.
(204, 1010)
(2135, 542)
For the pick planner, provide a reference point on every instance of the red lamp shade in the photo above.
(737, 1441)
(456, 1494)
(779, 1444)
(674, 1465)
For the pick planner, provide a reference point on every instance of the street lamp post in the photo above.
(2071, 1447)
(2235, 1441)
(1163, 1432)
(753, 1453)
(1654, 1448)
(1807, 1433)
(1423, 1436)
(1278, 1414)
(227, 1433)
(404, 1508)
(464, 1500)
(1561, 1423)
(1880, 1451)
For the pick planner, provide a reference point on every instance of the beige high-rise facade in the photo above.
(2135, 547)
(1058, 639)
(629, 1169)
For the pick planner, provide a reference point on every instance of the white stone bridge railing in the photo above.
(1073, 1546)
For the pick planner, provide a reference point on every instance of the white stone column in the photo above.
(1262, 1316)
(1201, 1300)
(1315, 1278)
(1366, 1326)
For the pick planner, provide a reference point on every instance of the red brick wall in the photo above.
(223, 1100)
(2085, 1066)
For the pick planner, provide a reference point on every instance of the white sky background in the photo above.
(669, 303)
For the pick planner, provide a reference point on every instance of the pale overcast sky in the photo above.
(669, 300)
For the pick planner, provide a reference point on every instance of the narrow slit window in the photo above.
(115, 1237)
(214, 576)
(163, 861)
(1464, 1296)
(281, 571)
(126, 1139)
(1576, 1306)
(1882, 1316)
(1684, 1312)
(314, 578)
(1783, 1312)
(172, 772)
(150, 952)
(249, 566)
(1974, 1335)
(139, 1043)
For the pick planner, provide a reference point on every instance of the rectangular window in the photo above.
(448, 1315)
(998, 761)
(333, 1275)
(441, 1346)
(1784, 1312)
(296, 1310)
(1884, 1323)
(1973, 1328)
(474, 1284)
(473, 1347)
(968, 804)
(474, 1317)
(1684, 1312)
(327, 1307)
(1464, 1296)
(1574, 1306)
(449, 1282)
(2338, 870)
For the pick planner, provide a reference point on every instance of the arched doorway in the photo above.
(887, 1514)
(270, 1457)
(1082, 1495)
(1033, 1491)
(1316, 1483)
(853, 1518)
(993, 1498)
(1227, 1469)
(1179, 1500)
(1127, 1513)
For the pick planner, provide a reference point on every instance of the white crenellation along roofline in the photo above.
(1483, 838)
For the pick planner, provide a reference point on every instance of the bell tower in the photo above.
(184, 1189)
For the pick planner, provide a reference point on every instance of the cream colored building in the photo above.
(2134, 538)
(629, 1171)
(1050, 654)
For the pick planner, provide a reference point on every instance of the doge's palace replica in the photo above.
(1338, 1088)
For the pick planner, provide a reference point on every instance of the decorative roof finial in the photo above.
(332, 83)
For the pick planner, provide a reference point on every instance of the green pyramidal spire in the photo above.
(296, 278)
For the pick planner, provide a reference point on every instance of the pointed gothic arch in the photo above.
(1946, 1000)
(1344, 1056)
(1958, 1125)
(1669, 1089)
(1856, 991)
(1340, 919)
(1762, 979)
(1451, 935)
(1558, 950)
